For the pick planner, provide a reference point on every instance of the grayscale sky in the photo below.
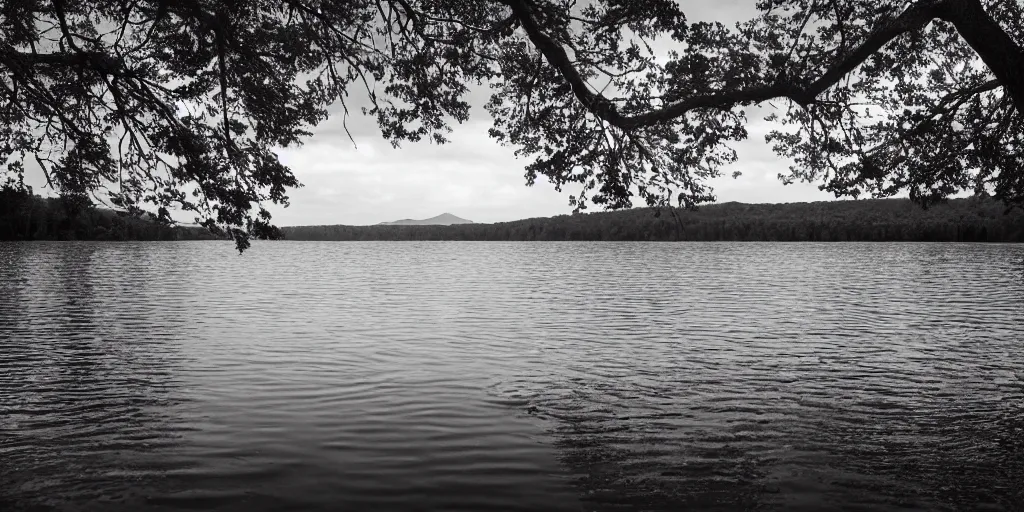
(476, 178)
(473, 176)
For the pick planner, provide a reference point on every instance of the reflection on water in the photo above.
(86, 384)
(471, 376)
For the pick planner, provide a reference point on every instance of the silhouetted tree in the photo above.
(24, 216)
(180, 103)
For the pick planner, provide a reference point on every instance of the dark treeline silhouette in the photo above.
(976, 219)
(25, 216)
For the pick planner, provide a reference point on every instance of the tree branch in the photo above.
(1000, 52)
(915, 17)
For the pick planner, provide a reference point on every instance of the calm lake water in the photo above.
(511, 376)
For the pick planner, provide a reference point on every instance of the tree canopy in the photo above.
(159, 105)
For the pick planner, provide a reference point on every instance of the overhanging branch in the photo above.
(917, 16)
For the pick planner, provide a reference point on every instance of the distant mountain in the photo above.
(445, 219)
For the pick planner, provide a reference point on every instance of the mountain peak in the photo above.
(445, 219)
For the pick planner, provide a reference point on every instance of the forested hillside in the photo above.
(970, 220)
(24, 216)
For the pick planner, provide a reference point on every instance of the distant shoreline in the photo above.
(875, 220)
(976, 219)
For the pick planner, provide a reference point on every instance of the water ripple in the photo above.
(548, 376)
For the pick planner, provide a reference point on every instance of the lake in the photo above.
(511, 376)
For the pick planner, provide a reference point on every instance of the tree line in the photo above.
(976, 219)
(26, 216)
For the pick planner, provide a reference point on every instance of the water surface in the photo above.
(511, 376)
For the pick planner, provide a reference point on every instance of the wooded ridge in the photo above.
(975, 219)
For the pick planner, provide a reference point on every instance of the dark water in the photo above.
(480, 376)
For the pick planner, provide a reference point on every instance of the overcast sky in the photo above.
(472, 176)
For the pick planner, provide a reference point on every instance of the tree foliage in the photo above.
(25, 216)
(162, 105)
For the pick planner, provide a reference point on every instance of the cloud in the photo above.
(472, 177)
